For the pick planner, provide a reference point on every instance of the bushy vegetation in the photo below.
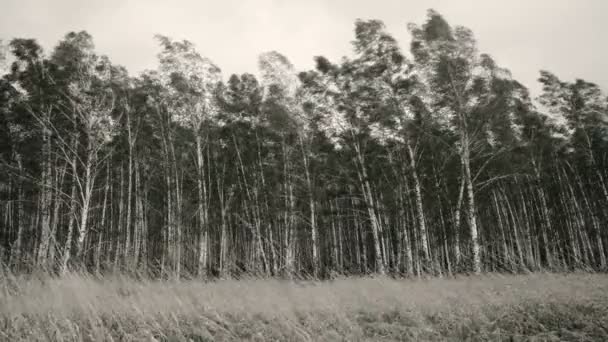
(538, 307)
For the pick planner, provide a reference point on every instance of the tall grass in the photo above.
(547, 307)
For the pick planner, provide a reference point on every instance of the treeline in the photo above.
(434, 162)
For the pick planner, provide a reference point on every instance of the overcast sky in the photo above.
(567, 37)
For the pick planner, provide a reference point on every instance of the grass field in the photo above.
(538, 307)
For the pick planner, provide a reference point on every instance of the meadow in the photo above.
(533, 307)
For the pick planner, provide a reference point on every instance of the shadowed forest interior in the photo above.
(425, 159)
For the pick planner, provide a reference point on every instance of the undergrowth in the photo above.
(535, 307)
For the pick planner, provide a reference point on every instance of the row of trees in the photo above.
(437, 162)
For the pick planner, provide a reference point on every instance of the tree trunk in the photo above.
(311, 205)
(67, 249)
(457, 215)
(86, 203)
(45, 199)
(16, 248)
(369, 203)
(472, 216)
(202, 212)
(127, 253)
(419, 207)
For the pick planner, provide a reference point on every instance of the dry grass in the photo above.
(542, 307)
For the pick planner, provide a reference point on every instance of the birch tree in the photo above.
(462, 88)
(191, 80)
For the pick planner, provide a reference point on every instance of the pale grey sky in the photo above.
(566, 37)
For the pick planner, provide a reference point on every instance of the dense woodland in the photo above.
(432, 161)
